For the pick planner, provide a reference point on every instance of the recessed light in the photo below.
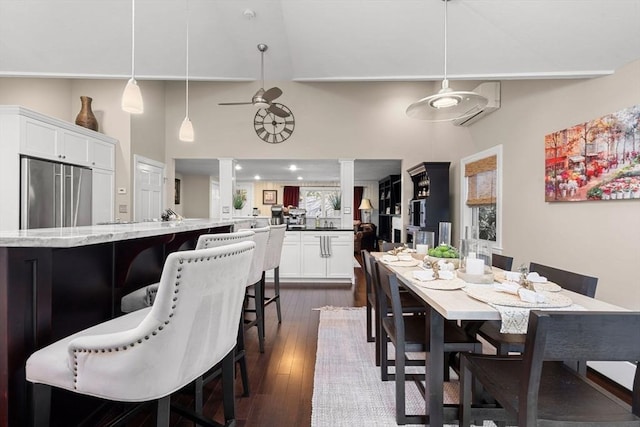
(299, 178)
(238, 167)
(256, 177)
(293, 168)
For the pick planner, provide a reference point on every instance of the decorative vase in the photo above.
(85, 117)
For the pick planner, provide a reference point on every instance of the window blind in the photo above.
(481, 181)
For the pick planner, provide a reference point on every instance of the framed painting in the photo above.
(269, 197)
(596, 160)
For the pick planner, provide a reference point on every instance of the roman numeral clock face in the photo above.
(271, 128)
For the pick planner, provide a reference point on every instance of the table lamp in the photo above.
(366, 208)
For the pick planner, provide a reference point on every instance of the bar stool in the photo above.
(255, 280)
(145, 296)
(148, 354)
(272, 262)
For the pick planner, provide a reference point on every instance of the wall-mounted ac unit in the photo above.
(491, 91)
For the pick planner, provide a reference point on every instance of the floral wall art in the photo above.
(596, 160)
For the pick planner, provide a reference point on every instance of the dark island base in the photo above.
(49, 293)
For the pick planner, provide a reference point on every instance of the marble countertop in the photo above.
(67, 237)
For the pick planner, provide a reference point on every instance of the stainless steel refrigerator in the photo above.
(54, 194)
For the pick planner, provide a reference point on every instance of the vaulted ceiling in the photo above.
(319, 40)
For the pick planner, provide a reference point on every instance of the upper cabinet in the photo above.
(53, 139)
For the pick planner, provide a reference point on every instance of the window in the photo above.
(319, 202)
(481, 200)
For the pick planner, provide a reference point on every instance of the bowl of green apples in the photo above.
(446, 253)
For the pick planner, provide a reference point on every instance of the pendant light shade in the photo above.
(132, 97)
(447, 104)
(186, 129)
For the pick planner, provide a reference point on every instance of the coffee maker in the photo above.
(277, 215)
(297, 218)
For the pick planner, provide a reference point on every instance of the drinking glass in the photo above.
(444, 233)
(423, 241)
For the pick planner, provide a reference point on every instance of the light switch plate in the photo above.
(347, 210)
(122, 208)
(226, 209)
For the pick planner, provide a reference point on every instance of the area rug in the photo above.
(347, 389)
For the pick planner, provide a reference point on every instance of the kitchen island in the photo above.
(57, 281)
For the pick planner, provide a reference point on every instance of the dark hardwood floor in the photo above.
(281, 378)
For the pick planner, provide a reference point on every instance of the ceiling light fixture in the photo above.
(131, 97)
(293, 168)
(257, 177)
(299, 178)
(238, 167)
(186, 129)
(447, 104)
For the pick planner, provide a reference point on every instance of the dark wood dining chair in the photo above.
(410, 305)
(502, 262)
(387, 246)
(506, 343)
(538, 389)
(409, 334)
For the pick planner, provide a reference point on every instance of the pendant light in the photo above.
(186, 129)
(447, 104)
(131, 97)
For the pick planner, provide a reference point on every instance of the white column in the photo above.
(227, 181)
(346, 189)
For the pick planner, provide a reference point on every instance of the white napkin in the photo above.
(512, 276)
(536, 278)
(508, 287)
(405, 257)
(530, 296)
(389, 258)
(525, 294)
(423, 275)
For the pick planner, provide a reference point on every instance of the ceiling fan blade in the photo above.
(277, 111)
(272, 94)
(234, 103)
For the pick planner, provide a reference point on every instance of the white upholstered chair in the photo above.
(151, 353)
(272, 262)
(261, 237)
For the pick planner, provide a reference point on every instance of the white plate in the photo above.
(411, 263)
(492, 296)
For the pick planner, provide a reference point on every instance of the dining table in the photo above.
(453, 302)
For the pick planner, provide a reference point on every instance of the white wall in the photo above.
(597, 238)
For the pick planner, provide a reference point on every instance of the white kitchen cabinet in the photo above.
(103, 155)
(290, 260)
(103, 200)
(74, 148)
(338, 260)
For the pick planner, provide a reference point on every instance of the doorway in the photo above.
(148, 191)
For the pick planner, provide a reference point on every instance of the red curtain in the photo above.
(357, 198)
(291, 196)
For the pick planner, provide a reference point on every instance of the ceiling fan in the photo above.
(263, 98)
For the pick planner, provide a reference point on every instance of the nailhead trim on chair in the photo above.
(161, 327)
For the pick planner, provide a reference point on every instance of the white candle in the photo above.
(475, 266)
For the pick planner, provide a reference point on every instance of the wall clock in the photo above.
(272, 128)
